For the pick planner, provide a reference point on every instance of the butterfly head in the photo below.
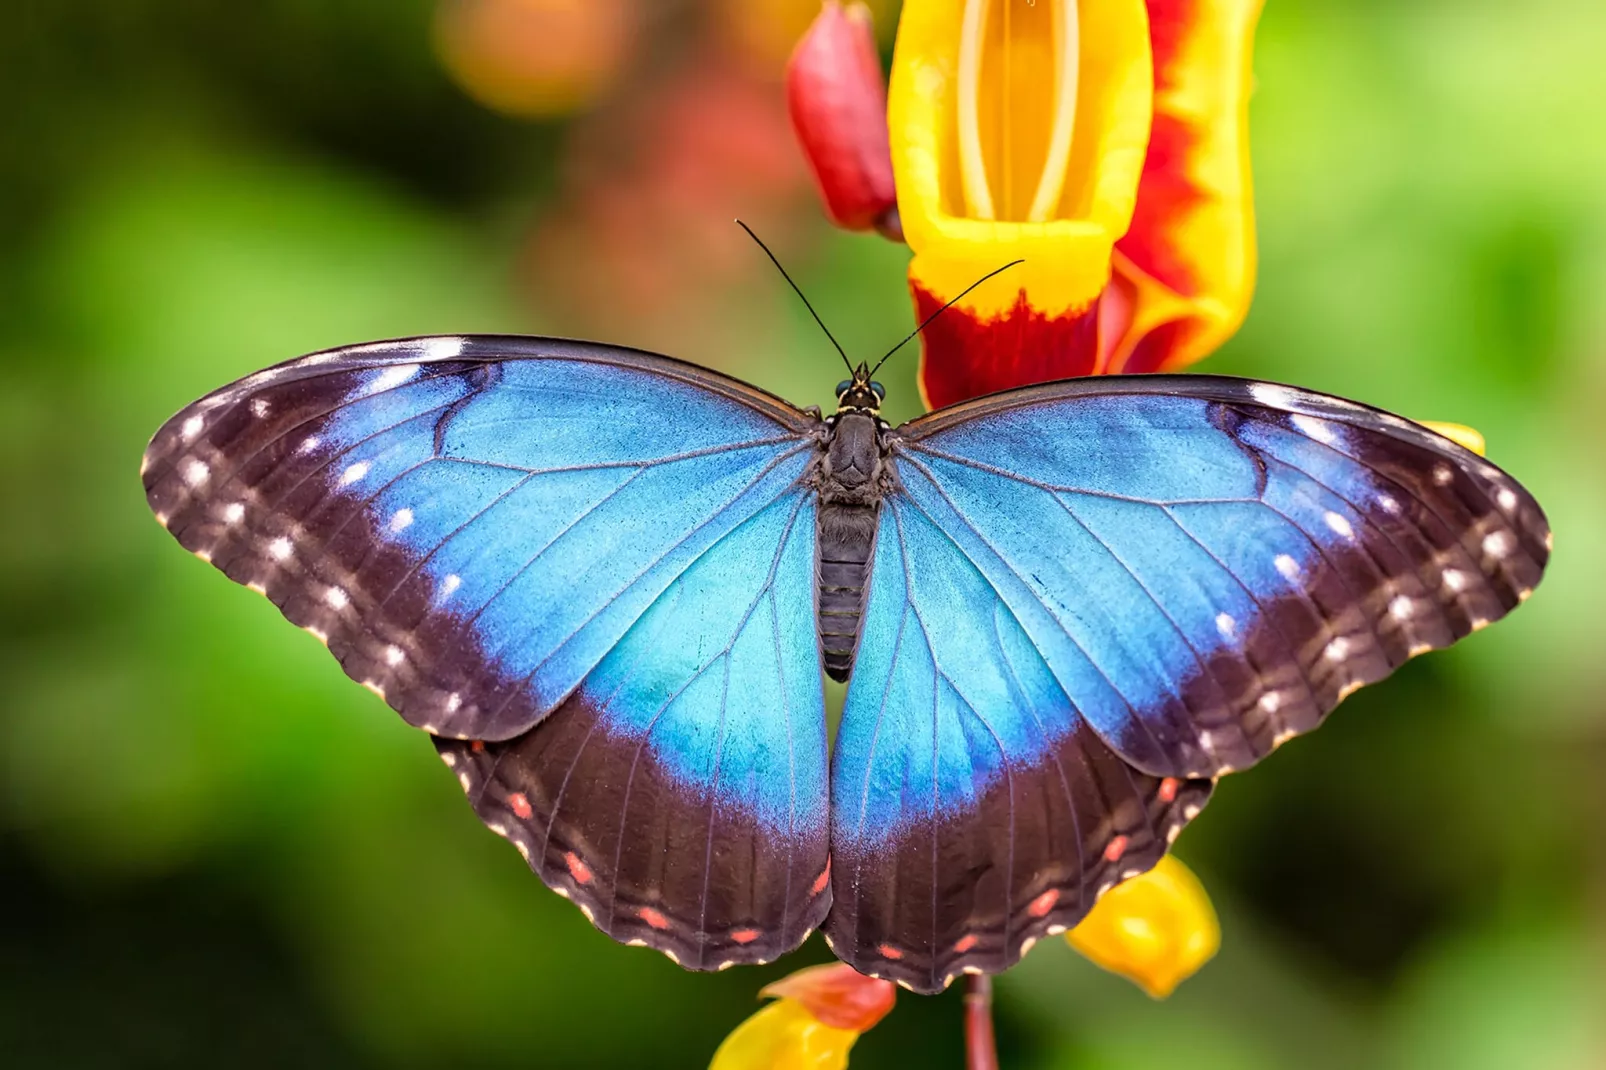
(861, 393)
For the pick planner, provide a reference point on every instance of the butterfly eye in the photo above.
(842, 387)
(879, 391)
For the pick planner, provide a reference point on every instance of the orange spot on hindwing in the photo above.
(521, 805)
(577, 869)
(745, 936)
(1116, 849)
(1043, 903)
(887, 951)
(655, 918)
(965, 943)
(1168, 789)
(823, 879)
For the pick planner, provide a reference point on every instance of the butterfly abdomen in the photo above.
(846, 541)
(850, 483)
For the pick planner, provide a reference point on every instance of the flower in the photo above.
(818, 1013)
(1460, 434)
(1119, 173)
(1156, 929)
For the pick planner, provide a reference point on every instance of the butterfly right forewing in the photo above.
(1210, 565)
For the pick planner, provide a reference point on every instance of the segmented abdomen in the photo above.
(846, 541)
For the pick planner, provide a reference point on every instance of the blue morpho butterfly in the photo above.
(606, 583)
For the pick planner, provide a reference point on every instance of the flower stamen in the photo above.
(1020, 125)
(972, 165)
(1067, 69)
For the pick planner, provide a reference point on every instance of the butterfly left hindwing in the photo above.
(678, 796)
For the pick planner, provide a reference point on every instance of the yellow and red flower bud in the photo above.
(818, 1014)
(838, 100)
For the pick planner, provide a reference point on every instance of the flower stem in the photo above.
(981, 1053)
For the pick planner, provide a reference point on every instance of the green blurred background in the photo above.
(216, 851)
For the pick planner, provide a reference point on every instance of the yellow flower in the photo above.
(1460, 434)
(817, 1016)
(1102, 141)
(1156, 929)
(784, 1036)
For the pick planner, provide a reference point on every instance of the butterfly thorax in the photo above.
(851, 477)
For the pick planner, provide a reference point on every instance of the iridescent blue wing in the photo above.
(1209, 565)
(488, 532)
(1202, 567)
(679, 795)
(973, 809)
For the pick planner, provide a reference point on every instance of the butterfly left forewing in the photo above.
(565, 561)
(470, 523)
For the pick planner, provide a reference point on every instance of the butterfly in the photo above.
(607, 582)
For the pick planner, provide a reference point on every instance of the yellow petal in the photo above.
(1155, 930)
(784, 1036)
(1460, 434)
(1018, 131)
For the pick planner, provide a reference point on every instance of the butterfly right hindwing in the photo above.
(973, 809)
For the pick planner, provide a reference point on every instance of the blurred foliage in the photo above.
(215, 850)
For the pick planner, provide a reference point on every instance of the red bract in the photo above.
(838, 100)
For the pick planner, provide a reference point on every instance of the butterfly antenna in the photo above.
(799, 293)
(914, 333)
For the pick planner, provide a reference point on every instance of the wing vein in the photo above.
(652, 723)
(941, 676)
(649, 567)
(1136, 717)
